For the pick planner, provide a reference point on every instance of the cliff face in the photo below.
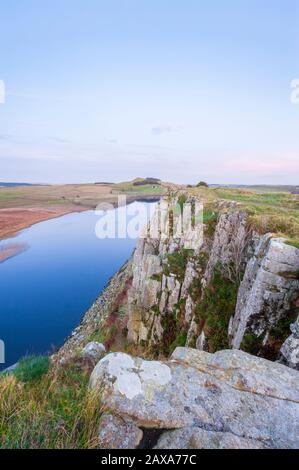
(218, 286)
(193, 302)
(231, 288)
(267, 292)
(157, 293)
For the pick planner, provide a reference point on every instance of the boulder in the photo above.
(94, 351)
(117, 433)
(196, 438)
(85, 360)
(230, 393)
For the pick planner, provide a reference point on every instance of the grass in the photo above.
(293, 243)
(145, 189)
(275, 212)
(56, 410)
(7, 196)
(180, 341)
(31, 368)
(252, 197)
(176, 263)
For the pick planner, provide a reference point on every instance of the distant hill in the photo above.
(11, 185)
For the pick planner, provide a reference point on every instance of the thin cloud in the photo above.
(161, 130)
(150, 147)
(59, 140)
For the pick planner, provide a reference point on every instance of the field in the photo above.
(22, 206)
(275, 212)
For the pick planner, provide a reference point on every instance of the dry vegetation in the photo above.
(275, 212)
(55, 410)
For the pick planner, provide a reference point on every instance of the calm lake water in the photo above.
(45, 290)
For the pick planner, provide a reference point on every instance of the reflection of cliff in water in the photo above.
(12, 249)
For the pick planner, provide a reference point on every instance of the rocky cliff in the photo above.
(203, 338)
(218, 285)
(231, 288)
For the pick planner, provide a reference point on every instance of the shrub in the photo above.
(202, 184)
(180, 341)
(182, 199)
(31, 368)
(252, 344)
(215, 309)
(176, 263)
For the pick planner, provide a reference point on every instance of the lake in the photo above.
(61, 269)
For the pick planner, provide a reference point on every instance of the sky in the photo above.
(107, 90)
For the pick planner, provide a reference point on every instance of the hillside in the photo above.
(193, 344)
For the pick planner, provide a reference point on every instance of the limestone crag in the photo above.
(155, 292)
(265, 267)
(163, 297)
(268, 290)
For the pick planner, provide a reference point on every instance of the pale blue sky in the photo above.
(178, 89)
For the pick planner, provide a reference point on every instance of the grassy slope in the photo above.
(269, 212)
(55, 410)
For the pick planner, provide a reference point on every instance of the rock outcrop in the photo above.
(233, 243)
(156, 291)
(200, 400)
(165, 291)
(163, 299)
(118, 433)
(290, 348)
(94, 351)
(267, 292)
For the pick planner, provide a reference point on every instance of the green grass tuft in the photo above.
(31, 368)
(293, 243)
(56, 412)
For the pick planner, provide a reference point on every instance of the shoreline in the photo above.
(14, 220)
